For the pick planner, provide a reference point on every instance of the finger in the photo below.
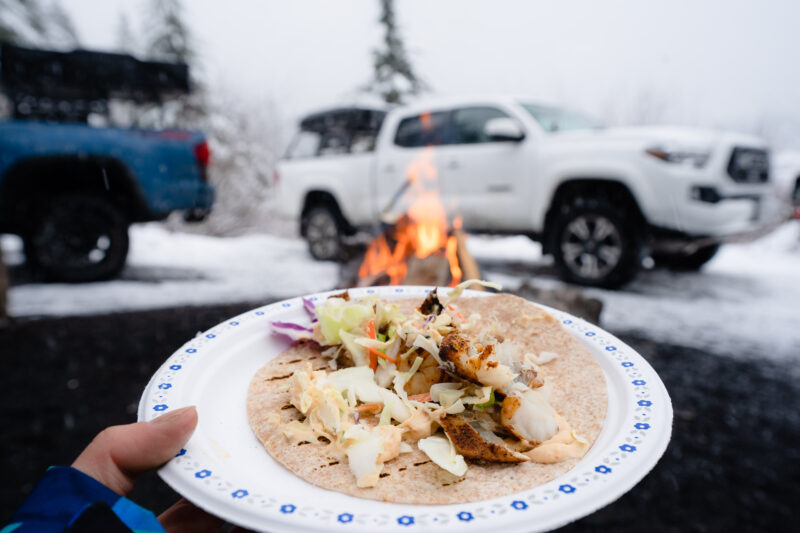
(185, 517)
(119, 454)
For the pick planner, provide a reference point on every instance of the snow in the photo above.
(170, 269)
(746, 300)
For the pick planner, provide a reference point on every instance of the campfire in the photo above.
(419, 247)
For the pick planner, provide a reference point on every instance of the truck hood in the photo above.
(654, 135)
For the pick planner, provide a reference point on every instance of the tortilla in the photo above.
(579, 395)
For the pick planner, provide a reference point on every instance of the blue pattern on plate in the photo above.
(288, 508)
(519, 505)
(405, 520)
(345, 518)
(465, 516)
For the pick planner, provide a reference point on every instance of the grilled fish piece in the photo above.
(475, 444)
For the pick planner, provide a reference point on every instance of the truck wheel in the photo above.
(78, 238)
(323, 233)
(687, 262)
(595, 244)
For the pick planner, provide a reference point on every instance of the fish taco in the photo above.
(450, 399)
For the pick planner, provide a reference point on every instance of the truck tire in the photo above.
(323, 232)
(595, 244)
(687, 262)
(78, 238)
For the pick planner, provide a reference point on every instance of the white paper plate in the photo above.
(225, 469)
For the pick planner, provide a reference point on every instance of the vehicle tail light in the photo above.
(276, 178)
(203, 153)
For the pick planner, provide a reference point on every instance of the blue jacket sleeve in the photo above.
(64, 494)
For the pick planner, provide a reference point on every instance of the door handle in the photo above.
(453, 165)
(388, 169)
(499, 187)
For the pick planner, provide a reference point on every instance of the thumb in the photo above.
(119, 454)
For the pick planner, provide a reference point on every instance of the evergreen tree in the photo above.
(394, 78)
(169, 39)
(60, 32)
(127, 42)
(22, 22)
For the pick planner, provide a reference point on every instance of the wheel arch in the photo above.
(320, 197)
(572, 189)
(32, 182)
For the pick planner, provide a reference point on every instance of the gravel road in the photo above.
(733, 463)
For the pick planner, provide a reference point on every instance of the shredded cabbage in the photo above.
(401, 378)
(358, 352)
(458, 289)
(437, 388)
(429, 346)
(442, 452)
(339, 315)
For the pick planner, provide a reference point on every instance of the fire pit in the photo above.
(418, 247)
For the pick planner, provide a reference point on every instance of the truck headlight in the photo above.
(680, 155)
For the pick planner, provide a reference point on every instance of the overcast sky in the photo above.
(715, 63)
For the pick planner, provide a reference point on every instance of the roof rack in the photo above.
(50, 85)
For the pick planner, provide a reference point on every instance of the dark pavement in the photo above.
(733, 463)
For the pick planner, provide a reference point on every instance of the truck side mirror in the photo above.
(503, 129)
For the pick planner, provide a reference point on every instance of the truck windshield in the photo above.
(553, 119)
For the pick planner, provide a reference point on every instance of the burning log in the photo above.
(418, 249)
(431, 270)
(469, 266)
(395, 257)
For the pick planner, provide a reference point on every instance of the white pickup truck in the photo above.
(599, 199)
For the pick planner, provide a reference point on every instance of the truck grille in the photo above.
(749, 165)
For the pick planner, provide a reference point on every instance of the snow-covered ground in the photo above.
(747, 299)
(168, 269)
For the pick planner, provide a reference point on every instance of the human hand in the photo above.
(119, 454)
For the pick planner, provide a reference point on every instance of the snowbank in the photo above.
(169, 269)
(746, 300)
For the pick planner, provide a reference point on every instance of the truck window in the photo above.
(469, 122)
(426, 129)
(334, 142)
(305, 144)
(335, 132)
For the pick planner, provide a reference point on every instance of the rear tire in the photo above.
(595, 244)
(78, 238)
(323, 232)
(687, 262)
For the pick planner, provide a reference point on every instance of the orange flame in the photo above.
(421, 231)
